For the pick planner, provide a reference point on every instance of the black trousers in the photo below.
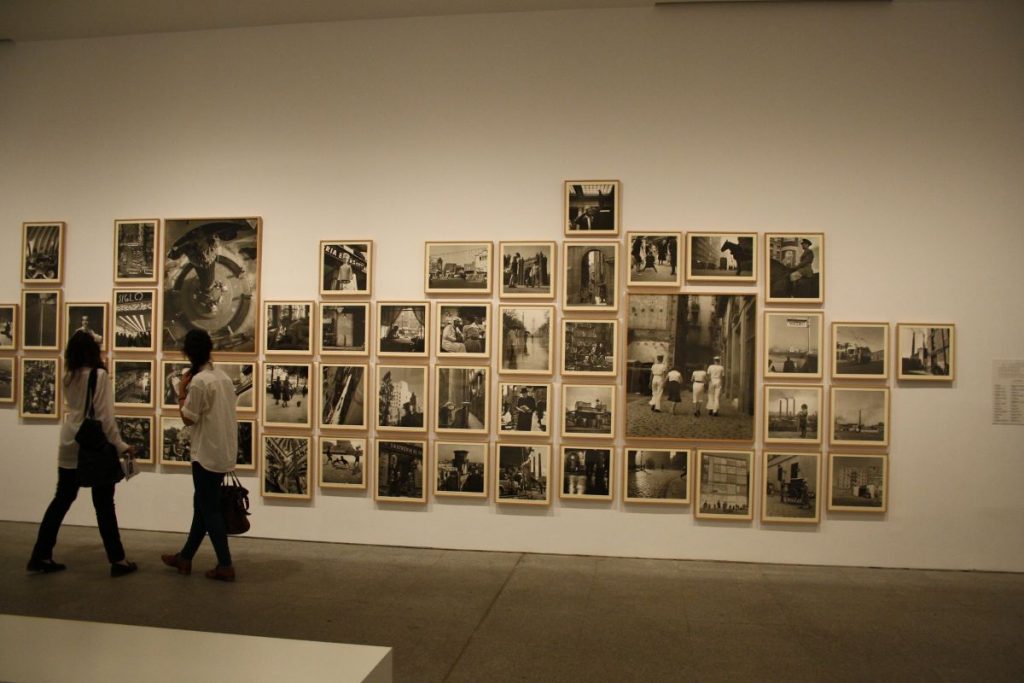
(207, 517)
(67, 491)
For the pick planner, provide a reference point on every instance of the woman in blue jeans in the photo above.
(207, 400)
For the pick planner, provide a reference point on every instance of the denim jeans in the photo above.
(207, 517)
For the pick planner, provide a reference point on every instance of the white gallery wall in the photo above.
(897, 129)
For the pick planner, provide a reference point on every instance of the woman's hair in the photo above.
(198, 346)
(83, 351)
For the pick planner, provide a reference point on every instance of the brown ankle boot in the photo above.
(178, 562)
(220, 573)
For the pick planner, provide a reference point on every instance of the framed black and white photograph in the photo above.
(285, 467)
(461, 399)
(586, 473)
(691, 366)
(401, 467)
(172, 372)
(659, 476)
(789, 488)
(288, 327)
(654, 259)
(134, 316)
(524, 409)
(527, 270)
(39, 389)
(461, 470)
(927, 352)
(343, 398)
(725, 485)
(858, 482)
(590, 277)
(137, 431)
(344, 329)
(457, 267)
(521, 474)
(590, 348)
(40, 319)
(588, 411)
(246, 457)
(462, 330)
(860, 350)
(135, 245)
(346, 268)
(526, 336)
(175, 442)
(8, 327)
(402, 398)
(792, 414)
(343, 462)
(89, 317)
(794, 263)
(860, 416)
(42, 253)
(7, 380)
(792, 346)
(133, 383)
(287, 395)
(211, 280)
(402, 329)
(592, 208)
(721, 257)
(243, 376)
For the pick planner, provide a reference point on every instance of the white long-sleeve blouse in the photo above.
(75, 388)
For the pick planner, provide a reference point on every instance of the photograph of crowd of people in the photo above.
(402, 329)
(87, 317)
(656, 476)
(38, 390)
(858, 482)
(176, 440)
(590, 276)
(526, 270)
(133, 383)
(463, 330)
(401, 397)
(586, 473)
(40, 319)
(790, 482)
(794, 267)
(286, 394)
(792, 414)
(6, 379)
(342, 396)
(133, 320)
(860, 350)
(42, 254)
(246, 458)
(523, 408)
(589, 348)
(460, 469)
(591, 207)
(724, 486)
(8, 327)
(654, 259)
(860, 416)
(211, 281)
(343, 462)
(588, 410)
(284, 467)
(521, 475)
(343, 329)
(452, 267)
(400, 471)
(461, 399)
(346, 268)
(135, 245)
(288, 327)
(926, 351)
(721, 257)
(792, 345)
(526, 340)
(137, 431)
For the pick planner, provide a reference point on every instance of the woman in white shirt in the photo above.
(81, 357)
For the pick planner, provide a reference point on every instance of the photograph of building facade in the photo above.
(591, 276)
(458, 266)
(724, 487)
(926, 352)
(858, 483)
(400, 471)
(860, 350)
(401, 397)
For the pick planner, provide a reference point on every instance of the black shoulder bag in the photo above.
(98, 463)
(234, 503)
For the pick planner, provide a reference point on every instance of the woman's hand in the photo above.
(186, 378)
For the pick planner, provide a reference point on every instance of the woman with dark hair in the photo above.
(81, 358)
(207, 399)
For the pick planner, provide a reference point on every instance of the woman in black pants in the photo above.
(80, 358)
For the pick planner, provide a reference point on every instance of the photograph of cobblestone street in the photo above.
(657, 476)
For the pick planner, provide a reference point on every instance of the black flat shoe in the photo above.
(118, 569)
(44, 566)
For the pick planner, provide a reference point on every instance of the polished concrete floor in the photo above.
(478, 616)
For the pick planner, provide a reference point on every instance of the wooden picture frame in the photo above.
(927, 352)
(288, 328)
(39, 388)
(401, 467)
(658, 476)
(138, 431)
(136, 241)
(526, 336)
(659, 251)
(457, 267)
(858, 482)
(402, 329)
(344, 396)
(343, 461)
(462, 329)
(344, 329)
(791, 487)
(526, 414)
(461, 469)
(8, 380)
(40, 319)
(175, 442)
(860, 350)
(462, 399)
(9, 327)
(586, 344)
(42, 253)
(587, 473)
(522, 474)
(793, 414)
(793, 345)
(288, 394)
(592, 208)
(88, 316)
(590, 277)
(346, 268)
(794, 266)
(401, 398)
(133, 382)
(286, 467)
(245, 460)
(134, 314)
(527, 269)
(588, 411)
(725, 485)
(706, 262)
(859, 416)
